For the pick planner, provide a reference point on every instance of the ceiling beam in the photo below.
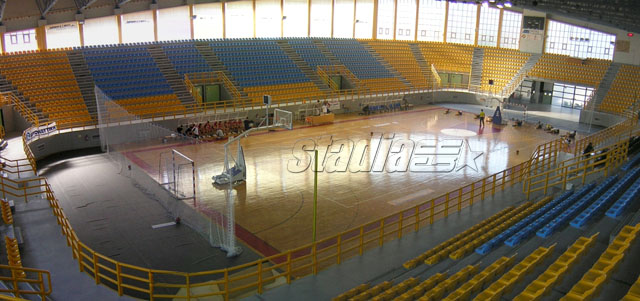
(82, 4)
(121, 2)
(45, 6)
(3, 3)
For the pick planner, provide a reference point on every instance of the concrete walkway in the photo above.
(111, 214)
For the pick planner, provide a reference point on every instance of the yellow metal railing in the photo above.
(324, 72)
(620, 131)
(193, 79)
(509, 89)
(310, 258)
(40, 280)
(578, 167)
(546, 155)
(254, 276)
(10, 98)
(30, 157)
(18, 167)
(435, 75)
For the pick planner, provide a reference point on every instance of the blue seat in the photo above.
(498, 239)
(602, 203)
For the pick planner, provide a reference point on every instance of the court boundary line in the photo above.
(250, 239)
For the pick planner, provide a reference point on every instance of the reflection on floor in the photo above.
(376, 165)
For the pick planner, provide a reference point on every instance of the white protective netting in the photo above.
(123, 134)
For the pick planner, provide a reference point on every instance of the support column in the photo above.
(395, 18)
(475, 40)
(80, 23)
(544, 36)
(446, 20)
(224, 20)
(41, 38)
(353, 33)
(119, 22)
(2, 42)
(281, 18)
(375, 20)
(154, 11)
(333, 7)
(191, 21)
(308, 18)
(499, 36)
(415, 31)
(81, 33)
(254, 17)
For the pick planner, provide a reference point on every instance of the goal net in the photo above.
(123, 133)
(177, 174)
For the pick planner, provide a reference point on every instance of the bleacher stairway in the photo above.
(517, 79)
(7, 86)
(327, 53)
(84, 79)
(386, 64)
(304, 67)
(605, 84)
(422, 62)
(169, 72)
(476, 67)
(216, 64)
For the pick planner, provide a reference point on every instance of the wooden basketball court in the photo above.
(274, 207)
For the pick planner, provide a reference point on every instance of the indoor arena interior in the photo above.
(319, 150)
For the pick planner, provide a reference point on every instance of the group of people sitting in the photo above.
(568, 137)
(447, 111)
(547, 128)
(215, 130)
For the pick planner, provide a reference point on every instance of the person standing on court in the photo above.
(481, 117)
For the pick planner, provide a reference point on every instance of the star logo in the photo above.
(468, 157)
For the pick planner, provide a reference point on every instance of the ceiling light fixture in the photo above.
(507, 3)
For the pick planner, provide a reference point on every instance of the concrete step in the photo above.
(217, 65)
(85, 81)
(302, 65)
(327, 53)
(517, 79)
(476, 67)
(605, 85)
(170, 74)
(386, 64)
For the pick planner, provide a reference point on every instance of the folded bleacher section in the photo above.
(454, 58)
(565, 69)
(186, 58)
(261, 67)
(126, 72)
(130, 76)
(549, 257)
(401, 58)
(47, 81)
(599, 206)
(624, 90)
(309, 52)
(372, 74)
(501, 66)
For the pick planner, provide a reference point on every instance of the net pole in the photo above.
(315, 195)
(193, 175)
(173, 166)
